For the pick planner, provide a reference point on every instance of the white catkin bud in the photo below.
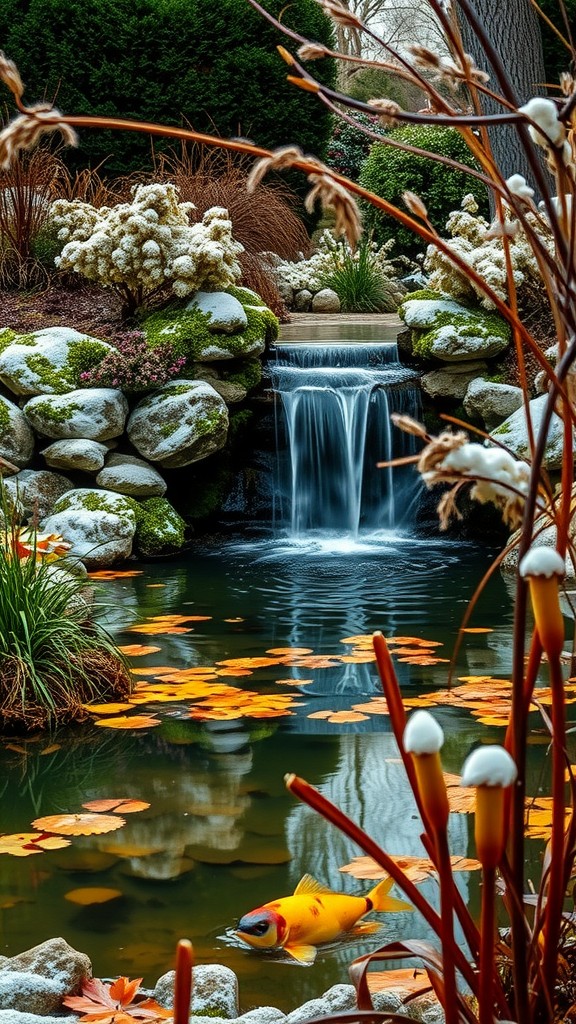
(489, 766)
(422, 734)
(542, 561)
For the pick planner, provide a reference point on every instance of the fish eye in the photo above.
(260, 928)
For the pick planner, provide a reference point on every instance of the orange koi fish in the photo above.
(314, 914)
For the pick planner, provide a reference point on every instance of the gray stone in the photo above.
(94, 413)
(180, 423)
(126, 474)
(227, 389)
(37, 490)
(414, 282)
(286, 292)
(452, 381)
(42, 363)
(262, 1015)
(16, 435)
(388, 1002)
(326, 301)
(337, 998)
(422, 314)
(214, 993)
(302, 301)
(76, 453)
(100, 526)
(38, 979)
(491, 401)
(514, 434)
(226, 313)
(16, 1017)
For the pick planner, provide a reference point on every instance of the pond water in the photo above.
(222, 835)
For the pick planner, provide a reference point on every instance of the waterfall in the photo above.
(333, 426)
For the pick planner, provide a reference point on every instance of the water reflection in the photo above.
(222, 835)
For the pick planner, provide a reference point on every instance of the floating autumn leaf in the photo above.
(91, 895)
(360, 640)
(235, 672)
(357, 659)
(290, 650)
(114, 574)
(417, 869)
(177, 620)
(157, 628)
(461, 799)
(237, 619)
(347, 717)
(247, 662)
(312, 661)
(107, 709)
(115, 1003)
(123, 805)
(79, 824)
(154, 586)
(293, 682)
(137, 650)
(375, 706)
(476, 629)
(129, 722)
(412, 641)
(321, 714)
(539, 818)
(243, 704)
(51, 749)
(22, 844)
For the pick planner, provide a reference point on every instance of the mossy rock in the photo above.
(48, 362)
(159, 530)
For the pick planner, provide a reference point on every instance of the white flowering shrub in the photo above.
(473, 240)
(330, 255)
(136, 248)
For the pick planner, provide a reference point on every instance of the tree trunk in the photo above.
(513, 28)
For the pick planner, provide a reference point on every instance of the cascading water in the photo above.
(335, 401)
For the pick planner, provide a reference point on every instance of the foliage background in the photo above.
(213, 66)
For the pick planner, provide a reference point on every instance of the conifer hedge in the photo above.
(212, 65)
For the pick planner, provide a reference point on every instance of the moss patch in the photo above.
(468, 325)
(248, 375)
(4, 415)
(189, 331)
(83, 355)
(159, 528)
(52, 414)
(6, 337)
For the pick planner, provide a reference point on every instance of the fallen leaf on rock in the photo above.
(115, 1003)
(22, 844)
(122, 805)
(90, 895)
(79, 824)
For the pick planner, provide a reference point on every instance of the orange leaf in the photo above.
(290, 650)
(123, 805)
(22, 844)
(128, 722)
(237, 619)
(79, 824)
(321, 714)
(477, 629)
(88, 896)
(247, 662)
(136, 650)
(347, 716)
(114, 574)
(107, 709)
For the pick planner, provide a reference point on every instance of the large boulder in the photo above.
(492, 402)
(35, 982)
(96, 414)
(452, 381)
(127, 474)
(16, 435)
(49, 361)
(446, 330)
(76, 453)
(37, 491)
(100, 525)
(180, 423)
(513, 433)
(226, 313)
(197, 332)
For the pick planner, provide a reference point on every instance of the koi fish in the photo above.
(314, 914)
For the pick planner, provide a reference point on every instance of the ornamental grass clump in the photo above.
(359, 282)
(54, 658)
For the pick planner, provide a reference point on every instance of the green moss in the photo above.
(159, 527)
(25, 339)
(248, 375)
(469, 325)
(176, 389)
(4, 415)
(167, 429)
(246, 296)
(422, 293)
(82, 355)
(53, 415)
(189, 331)
(496, 378)
(6, 337)
(238, 423)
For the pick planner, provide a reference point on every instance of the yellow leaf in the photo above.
(90, 895)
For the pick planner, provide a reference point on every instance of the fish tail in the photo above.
(382, 902)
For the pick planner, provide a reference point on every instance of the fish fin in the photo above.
(308, 885)
(382, 902)
(302, 953)
(367, 928)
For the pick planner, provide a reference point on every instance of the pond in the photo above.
(222, 835)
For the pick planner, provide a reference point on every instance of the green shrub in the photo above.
(213, 66)
(389, 172)
(556, 57)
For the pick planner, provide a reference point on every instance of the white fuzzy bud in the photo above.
(544, 113)
(517, 186)
(489, 766)
(422, 734)
(542, 561)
